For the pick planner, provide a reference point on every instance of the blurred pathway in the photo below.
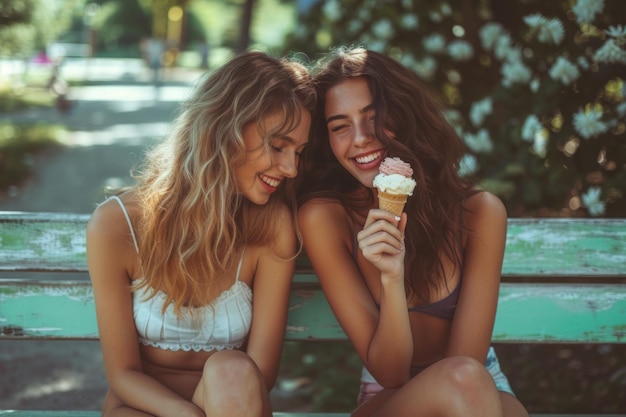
(108, 129)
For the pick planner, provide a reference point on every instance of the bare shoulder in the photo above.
(108, 223)
(322, 212)
(484, 208)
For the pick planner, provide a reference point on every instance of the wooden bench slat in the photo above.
(585, 247)
(585, 313)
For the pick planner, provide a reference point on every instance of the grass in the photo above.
(18, 145)
(24, 97)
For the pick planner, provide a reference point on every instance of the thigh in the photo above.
(113, 407)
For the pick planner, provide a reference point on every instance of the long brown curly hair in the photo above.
(423, 138)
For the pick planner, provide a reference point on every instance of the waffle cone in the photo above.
(392, 202)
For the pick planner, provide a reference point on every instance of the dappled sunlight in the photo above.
(134, 134)
(135, 92)
(64, 383)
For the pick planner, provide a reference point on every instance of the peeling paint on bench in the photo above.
(589, 313)
(585, 247)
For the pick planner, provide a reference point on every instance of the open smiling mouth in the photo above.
(272, 182)
(369, 158)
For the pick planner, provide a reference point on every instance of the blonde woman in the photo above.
(191, 267)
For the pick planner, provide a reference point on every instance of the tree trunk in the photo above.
(246, 21)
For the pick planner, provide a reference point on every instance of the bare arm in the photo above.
(484, 251)
(111, 259)
(272, 281)
(383, 341)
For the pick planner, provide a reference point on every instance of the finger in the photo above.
(376, 214)
(402, 223)
(394, 239)
(380, 226)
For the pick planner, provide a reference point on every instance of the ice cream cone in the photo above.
(392, 202)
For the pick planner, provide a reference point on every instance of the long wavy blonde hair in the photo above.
(194, 220)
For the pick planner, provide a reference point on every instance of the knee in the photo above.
(467, 381)
(230, 368)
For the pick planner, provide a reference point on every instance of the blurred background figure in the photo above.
(153, 49)
(58, 87)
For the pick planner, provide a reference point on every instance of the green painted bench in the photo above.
(563, 281)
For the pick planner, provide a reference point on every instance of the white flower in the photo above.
(534, 85)
(586, 10)
(364, 14)
(530, 128)
(354, 26)
(583, 63)
(617, 32)
(515, 72)
(564, 71)
(552, 32)
(479, 142)
(540, 142)
(535, 20)
(446, 10)
(502, 47)
(460, 50)
(479, 110)
(548, 30)
(467, 165)
(426, 67)
(588, 123)
(434, 43)
(610, 53)
(591, 200)
(383, 29)
(489, 34)
(453, 117)
(409, 21)
(377, 45)
(332, 10)
(435, 16)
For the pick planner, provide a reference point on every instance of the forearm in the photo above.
(391, 350)
(139, 390)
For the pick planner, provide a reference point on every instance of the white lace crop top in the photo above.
(222, 324)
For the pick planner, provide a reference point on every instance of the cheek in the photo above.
(337, 146)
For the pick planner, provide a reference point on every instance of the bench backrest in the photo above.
(564, 280)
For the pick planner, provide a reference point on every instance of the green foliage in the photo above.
(122, 23)
(11, 100)
(536, 89)
(29, 25)
(18, 144)
(15, 11)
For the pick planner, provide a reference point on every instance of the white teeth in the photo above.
(369, 158)
(270, 181)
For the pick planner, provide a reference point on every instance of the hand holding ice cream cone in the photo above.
(394, 183)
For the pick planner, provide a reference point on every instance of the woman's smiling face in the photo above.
(263, 171)
(349, 114)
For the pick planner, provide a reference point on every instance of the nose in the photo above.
(288, 165)
(363, 134)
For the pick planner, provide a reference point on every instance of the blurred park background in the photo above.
(535, 88)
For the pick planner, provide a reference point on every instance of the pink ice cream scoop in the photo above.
(395, 166)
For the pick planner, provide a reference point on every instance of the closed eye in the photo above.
(338, 128)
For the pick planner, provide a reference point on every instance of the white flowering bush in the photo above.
(535, 88)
